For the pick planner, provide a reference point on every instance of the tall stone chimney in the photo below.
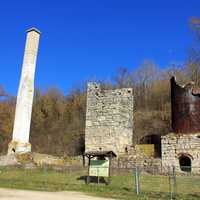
(20, 138)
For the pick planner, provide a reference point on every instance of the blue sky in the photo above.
(90, 39)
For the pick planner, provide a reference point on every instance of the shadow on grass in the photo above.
(93, 179)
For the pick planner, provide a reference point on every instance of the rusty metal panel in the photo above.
(185, 107)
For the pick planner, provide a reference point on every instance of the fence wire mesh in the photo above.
(175, 183)
(150, 183)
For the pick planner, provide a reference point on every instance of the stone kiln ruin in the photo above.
(109, 119)
(182, 146)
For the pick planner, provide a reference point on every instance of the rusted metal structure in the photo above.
(185, 108)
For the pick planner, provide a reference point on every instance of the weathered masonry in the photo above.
(182, 146)
(109, 119)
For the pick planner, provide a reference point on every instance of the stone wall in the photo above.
(136, 157)
(109, 119)
(176, 145)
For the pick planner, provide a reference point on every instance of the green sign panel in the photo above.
(99, 168)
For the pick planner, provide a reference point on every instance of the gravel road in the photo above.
(11, 194)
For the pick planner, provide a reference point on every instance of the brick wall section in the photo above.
(109, 119)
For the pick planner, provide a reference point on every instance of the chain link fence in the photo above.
(137, 182)
(175, 183)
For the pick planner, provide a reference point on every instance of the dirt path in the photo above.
(11, 194)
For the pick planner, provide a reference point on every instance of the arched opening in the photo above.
(155, 140)
(185, 163)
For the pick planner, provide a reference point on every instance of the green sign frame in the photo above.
(99, 168)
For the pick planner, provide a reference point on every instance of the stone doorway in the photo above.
(155, 140)
(185, 163)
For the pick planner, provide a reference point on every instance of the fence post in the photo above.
(137, 180)
(98, 175)
(172, 182)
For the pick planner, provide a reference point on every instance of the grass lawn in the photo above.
(121, 187)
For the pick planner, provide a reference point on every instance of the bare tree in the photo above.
(193, 61)
(144, 75)
(123, 78)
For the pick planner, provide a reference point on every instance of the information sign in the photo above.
(99, 168)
